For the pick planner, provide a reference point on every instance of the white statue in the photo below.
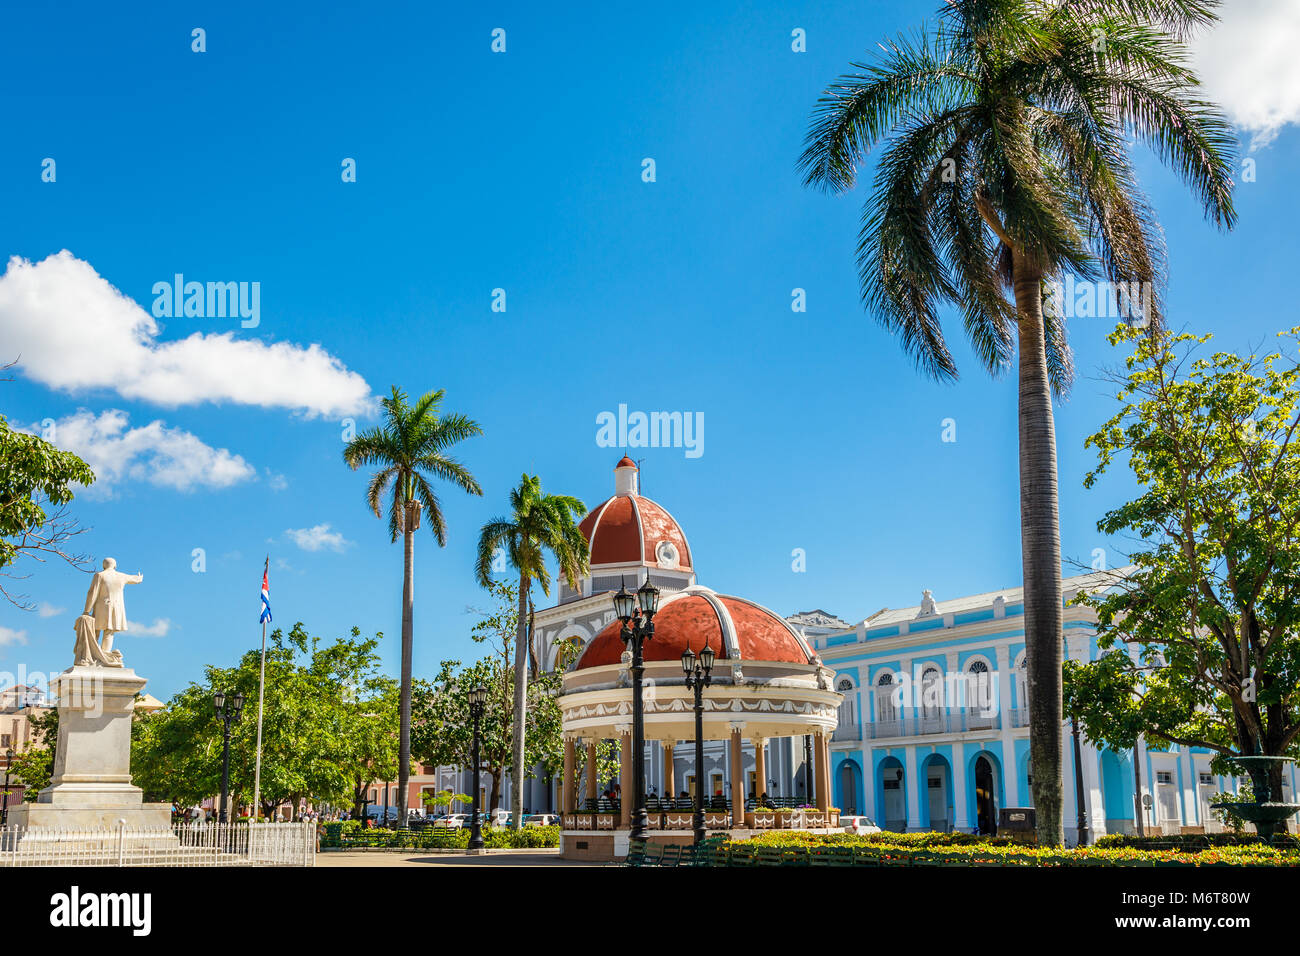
(105, 604)
(927, 604)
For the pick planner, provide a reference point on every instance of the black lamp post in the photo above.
(1082, 823)
(4, 807)
(637, 612)
(808, 769)
(697, 678)
(228, 708)
(477, 703)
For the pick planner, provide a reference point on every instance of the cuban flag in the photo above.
(266, 593)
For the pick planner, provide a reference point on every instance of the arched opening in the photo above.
(848, 788)
(986, 811)
(938, 802)
(891, 797)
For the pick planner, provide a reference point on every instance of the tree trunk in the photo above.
(521, 699)
(495, 801)
(1040, 547)
(408, 609)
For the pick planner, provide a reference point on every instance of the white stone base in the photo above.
(64, 816)
(91, 784)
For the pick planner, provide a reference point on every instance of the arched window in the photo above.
(931, 694)
(979, 685)
(847, 711)
(886, 712)
(1022, 684)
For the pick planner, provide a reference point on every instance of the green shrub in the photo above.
(1193, 842)
(916, 850)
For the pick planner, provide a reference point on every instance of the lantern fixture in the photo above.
(624, 603)
(647, 596)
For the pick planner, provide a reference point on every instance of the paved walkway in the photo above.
(417, 858)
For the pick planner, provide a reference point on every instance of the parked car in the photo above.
(452, 821)
(377, 814)
(497, 818)
(859, 825)
(541, 820)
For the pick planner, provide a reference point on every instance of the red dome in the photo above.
(736, 629)
(632, 529)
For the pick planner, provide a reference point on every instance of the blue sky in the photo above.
(519, 171)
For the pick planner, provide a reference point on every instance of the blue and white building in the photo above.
(933, 731)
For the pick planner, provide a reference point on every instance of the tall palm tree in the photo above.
(538, 523)
(1007, 167)
(410, 448)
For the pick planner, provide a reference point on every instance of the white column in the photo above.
(868, 785)
(914, 787)
(1010, 772)
(906, 713)
(962, 820)
(1191, 805)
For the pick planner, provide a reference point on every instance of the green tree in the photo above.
(1212, 603)
(1008, 168)
(410, 448)
(538, 523)
(328, 721)
(36, 477)
(33, 766)
(443, 730)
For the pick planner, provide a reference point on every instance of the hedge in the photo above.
(434, 838)
(798, 848)
(1193, 842)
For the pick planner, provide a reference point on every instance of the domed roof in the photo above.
(630, 529)
(736, 629)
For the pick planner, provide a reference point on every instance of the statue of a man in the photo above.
(104, 601)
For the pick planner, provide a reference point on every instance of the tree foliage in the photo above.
(329, 726)
(1212, 604)
(442, 729)
(36, 482)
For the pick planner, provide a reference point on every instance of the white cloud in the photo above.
(155, 454)
(46, 609)
(1249, 65)
(276, 480)
(318, 538)
(73, 330)
(159, 628)
(9, 636)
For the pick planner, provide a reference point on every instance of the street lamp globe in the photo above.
(706, 657)
(219, 702)
(647, 596)
(688, 661)
(624, 603)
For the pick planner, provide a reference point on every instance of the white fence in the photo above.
(211, 844)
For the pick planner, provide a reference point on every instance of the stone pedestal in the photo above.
(91, 784)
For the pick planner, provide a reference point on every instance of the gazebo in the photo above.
(766, 684)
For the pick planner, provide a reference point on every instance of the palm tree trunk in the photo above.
(521, 698)
(408, 614)
(1040, 547)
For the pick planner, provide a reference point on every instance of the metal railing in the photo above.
(206, 844)
(920, 725)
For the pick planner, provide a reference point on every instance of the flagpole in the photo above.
(261, 691)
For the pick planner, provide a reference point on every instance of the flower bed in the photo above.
(799, 848)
